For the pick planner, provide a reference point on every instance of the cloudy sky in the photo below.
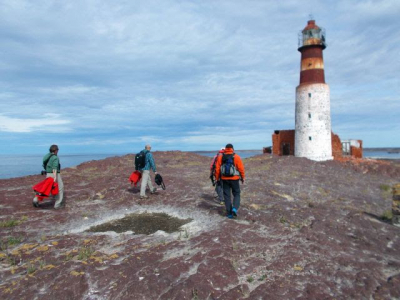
(109, 76)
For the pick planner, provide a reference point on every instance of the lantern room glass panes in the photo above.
(313, 36)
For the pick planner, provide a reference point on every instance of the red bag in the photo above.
(45, 188)
(135, 177)
(54, 189)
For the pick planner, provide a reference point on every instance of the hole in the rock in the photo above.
(146, 223)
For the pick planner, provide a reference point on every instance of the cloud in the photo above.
(47, 123)
(67, 91)
(188, 74)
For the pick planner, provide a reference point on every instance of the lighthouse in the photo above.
(313, 117)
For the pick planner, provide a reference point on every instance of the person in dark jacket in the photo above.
(146, 179)
(51, 163)
(218, 184)
(230, 182)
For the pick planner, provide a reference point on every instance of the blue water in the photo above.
(380, 154)
(242, 153)
(22, 165)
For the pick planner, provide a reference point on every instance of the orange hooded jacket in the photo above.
(237, 161)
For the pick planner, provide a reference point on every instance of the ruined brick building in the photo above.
(312, 137)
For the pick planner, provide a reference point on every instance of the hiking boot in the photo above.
(144, 197)
(61, 206)
(153, 191)
(234, 212)
(229, 216)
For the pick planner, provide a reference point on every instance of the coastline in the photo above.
(15, 166)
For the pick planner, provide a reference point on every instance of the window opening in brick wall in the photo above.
(285, 149)
(309, 95)
(309, 115)
(346, 149)
(310, 138)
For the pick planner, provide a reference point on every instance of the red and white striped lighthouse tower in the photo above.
(313, 117)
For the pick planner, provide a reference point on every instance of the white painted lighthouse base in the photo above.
(313, 138)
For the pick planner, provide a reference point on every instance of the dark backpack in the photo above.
(228, 168)
(214, 164)
(140, 160)
(158, 179)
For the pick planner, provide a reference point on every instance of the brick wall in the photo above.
(336, 146)
(357, 152)
(281, 137)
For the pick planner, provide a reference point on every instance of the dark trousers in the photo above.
(231, 186)
(219, 190)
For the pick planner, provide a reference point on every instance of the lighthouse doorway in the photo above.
(285, 149)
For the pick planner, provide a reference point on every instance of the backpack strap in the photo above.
(47, 161)
(214, 163)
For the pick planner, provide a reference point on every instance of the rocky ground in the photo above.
(305, 230)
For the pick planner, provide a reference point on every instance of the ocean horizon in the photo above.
(13, 166)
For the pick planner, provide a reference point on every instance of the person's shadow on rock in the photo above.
(212, 204)
(134, 190)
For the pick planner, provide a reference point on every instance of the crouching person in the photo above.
(230, 170)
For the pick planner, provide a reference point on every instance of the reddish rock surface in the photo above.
(306, 230)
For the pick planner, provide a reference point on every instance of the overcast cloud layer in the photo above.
(110, 76)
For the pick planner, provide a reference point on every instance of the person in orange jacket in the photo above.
(230, 170)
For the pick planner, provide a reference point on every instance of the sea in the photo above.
(12, 166)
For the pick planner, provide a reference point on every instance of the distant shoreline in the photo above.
(13, 166)
(388, 149)
(206, 151)
(383, 158)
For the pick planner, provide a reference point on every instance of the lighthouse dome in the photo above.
(312, 35)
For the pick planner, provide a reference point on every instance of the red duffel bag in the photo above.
(135, 177)
(45, 188)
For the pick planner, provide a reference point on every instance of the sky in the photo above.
(111, 76)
